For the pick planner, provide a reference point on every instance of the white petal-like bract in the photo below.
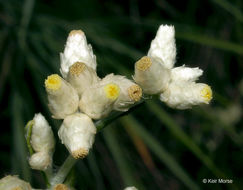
(183, 95)
(77, 133)
(131, 188)
(42, 138)
(183, 73)
(76, 50)
(163, 47)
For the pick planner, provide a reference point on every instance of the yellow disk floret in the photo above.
(77, 68)
(112, 91)
(53, 82)
(61, 187)
(80, 153)
(75, 32)
(207, 93)
(17, 188)
(143, 64)
(135, 92)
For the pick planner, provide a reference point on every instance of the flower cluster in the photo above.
(156, 74)
(80, 95)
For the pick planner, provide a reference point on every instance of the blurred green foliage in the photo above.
(154, 147)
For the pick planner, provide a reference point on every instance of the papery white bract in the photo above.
(163, 47)
(42, 138)
(76, 50)
(131, 188)
(183, 73)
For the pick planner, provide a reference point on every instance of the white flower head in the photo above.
(98, 100)
(76, 50)
(42, 141)
(62, 97)
(77, 133)
(183, 73)
(13, 183)
(130, 92)
(152, 76)
(183, 95)
(131, 188)
(80, 76)
(163, 47)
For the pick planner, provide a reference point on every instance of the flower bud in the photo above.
(163, 47)
(77, 133)
(81, 77)
(13, 183)
(41, 160)
(76, 50)
(62, 97)
(129, 91)
(98, 100)
(42, 138)
(151, 75)
(185, 73)
(183, 95)
(131, 188)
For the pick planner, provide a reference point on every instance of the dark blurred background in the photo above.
(155, 147)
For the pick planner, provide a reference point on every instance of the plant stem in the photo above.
(63, 171)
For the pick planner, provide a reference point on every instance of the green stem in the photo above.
(63, 171)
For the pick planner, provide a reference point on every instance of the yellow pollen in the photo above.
(135, 92)
(77, 68)
(207, 93)
(143, 64)
(112, 91)
(60, 187)
(74, 32)
(53, 82)
(80, 153)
